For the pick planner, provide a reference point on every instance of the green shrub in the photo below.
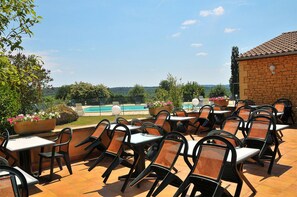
(67, 114)
(9, 105)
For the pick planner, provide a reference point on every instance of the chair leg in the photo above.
(99, 159)
(110, 168)
(169, 179)
(272, 160)
(132, 168)
(88, 154)
(183, 188)
(59, 163)
(68, 164)
(153, 187)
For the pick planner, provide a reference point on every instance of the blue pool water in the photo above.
(107, 108)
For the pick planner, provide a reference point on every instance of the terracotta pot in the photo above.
(35, 127)
(222, 103)
(155, 111)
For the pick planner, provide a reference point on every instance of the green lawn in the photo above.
(88, 120)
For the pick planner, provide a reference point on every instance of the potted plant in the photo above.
(157, 106)
(31, 123)
(221, 100)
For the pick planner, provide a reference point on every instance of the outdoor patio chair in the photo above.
(232, 124)
(163, 163)
(59, 150)
(136, 122)
(121, 120)
(284, 106)
(4, 138)
(94, 140)
(161, 119)
(243, 112)
(205, 120)
(209, 164)
(8, 183)
(180, 126)
(240, 103)
(119, 134)
(261, 134)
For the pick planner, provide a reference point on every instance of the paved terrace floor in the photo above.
(282, 181)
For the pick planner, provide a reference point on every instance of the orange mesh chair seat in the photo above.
(261, 136)
(284, 106)
(121, 120)
(204, 120)
(119, 134)
(94, 139)
(232, 124)
(8, 184)
(163, 163)
(59, 150)
(161, 119)
(209, 164)
(4, 138)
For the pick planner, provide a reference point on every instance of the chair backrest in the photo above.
(136, 122)
(169, 151)
(179, 112)
(121, 120)
(216, 107)
(118, 135)
(151, 128)
(269, 111)
(228, 136)
(259, 127)
(64, 139)
(3, 162)
(205, 111)
(239, 104)
(101, 127)
(8, 183)
(232, 123)
(249, 102)
(161, 118)
(244, 112)
(210, 158)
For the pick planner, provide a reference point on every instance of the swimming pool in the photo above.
(107, 108)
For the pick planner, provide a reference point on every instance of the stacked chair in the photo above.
(95, 140)
(284, 106)
(163, 163)
(162, 120)
(204, 120)
(115, 148)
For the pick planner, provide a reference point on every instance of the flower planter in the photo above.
(34, 127)
(222, 103)
(155, 111)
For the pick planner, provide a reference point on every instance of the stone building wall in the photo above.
(259, 84)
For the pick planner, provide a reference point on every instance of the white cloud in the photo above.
(189, 22)
(176, 35)
(196, 45)
(230, 30)
(57, 71)
(184, 27)
(201, 54)
(216, 11)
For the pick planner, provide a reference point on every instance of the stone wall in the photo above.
(259, 84)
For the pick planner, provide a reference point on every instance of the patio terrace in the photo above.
(282, 181)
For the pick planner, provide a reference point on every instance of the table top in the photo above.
(30, 179)
(180, 118)
(278, 126)
(28, 142)
(130, 127)
(143, 138)
(242, 153)
(216, 111)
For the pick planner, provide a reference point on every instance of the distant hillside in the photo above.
(124, 90)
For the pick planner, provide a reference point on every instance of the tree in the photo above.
(192, 90)
(63, 92)
(234, 79)
(17, 17)
(137, 93)
(217, 91)
(31, 79)
(175, 91)
(164, 84)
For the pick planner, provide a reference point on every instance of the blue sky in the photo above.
(127, 42)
